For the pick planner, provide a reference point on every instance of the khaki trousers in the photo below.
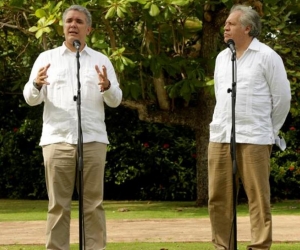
(253, 169)
(60, 172)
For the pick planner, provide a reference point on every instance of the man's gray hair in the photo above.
(80, 9)
(250, 17)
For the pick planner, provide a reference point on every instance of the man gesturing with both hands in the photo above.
(53, 81)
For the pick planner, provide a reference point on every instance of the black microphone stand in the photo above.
(80, 157)
(233, 151)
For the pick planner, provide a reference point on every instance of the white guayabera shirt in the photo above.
(60, 118)
(262, 96)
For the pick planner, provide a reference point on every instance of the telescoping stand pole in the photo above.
(77, 98)
(231, 44)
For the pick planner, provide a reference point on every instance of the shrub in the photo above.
(149, 161)
(285, 167)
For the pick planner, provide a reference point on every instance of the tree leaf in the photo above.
(120, 12)
(40, 13)
(111, 12)
(180, 2)
(33, 29)
(154, 10)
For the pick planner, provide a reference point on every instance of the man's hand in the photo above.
(103, 81)
(41, 77)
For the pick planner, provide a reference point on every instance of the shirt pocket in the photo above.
(90, 88)
(59, 90)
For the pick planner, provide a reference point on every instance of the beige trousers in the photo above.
(60, 172)
(253, 169)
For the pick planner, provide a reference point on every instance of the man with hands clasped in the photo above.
(262, 105)
(53, 81)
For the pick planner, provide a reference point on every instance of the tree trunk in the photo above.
(198, 118)
(202, 139)
(211, 31)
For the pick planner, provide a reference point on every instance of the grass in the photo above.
(155, 246)
(26, 210)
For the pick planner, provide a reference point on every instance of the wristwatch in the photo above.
(36, 85)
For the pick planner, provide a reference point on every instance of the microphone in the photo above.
(76, 44)
(230, 44)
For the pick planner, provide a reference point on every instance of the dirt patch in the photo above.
(285, 228)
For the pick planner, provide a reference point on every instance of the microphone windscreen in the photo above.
(230, 41)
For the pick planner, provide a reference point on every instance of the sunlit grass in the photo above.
(29, 210)
(155, 246)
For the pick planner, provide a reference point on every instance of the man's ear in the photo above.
(88, 30)
(248, 29)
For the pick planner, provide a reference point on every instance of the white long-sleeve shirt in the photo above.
(262, 96)
(60, 116)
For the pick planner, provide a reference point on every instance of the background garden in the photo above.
(159, 134)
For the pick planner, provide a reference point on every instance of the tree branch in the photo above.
(147, 112)
(8, 25)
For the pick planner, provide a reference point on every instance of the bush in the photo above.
(149, 161)
(144, 160)
(21, 163)
(285, 167)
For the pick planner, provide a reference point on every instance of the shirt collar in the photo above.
(254, 45)
(64, 49)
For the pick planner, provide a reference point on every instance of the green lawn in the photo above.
(156, 246)
(27, 210)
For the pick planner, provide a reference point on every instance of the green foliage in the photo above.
(48, 15)
(285, 167)
(160, 44)
(144, 39)
(21, 164)
(144, 161)
(21, 170)
(149, 161)
(281, 31)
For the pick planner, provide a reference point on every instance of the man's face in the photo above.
(75, 28)
(234, 30)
